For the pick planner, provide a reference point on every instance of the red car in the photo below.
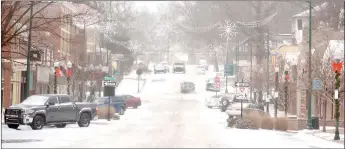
(132, 101)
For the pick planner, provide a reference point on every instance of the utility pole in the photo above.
(227, 61)
(28, 57)
(268, 69)
(310, 126)
(251, 66)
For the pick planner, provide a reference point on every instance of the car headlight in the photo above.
(29, 111)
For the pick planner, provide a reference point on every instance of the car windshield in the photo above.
(35, 100)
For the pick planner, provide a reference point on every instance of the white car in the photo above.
(234, 107)
(200, 70)
(212, 101)
(166, 65)
(159, 68)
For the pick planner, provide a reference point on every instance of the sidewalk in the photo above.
(328, 135)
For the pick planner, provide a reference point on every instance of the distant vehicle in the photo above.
(187, 87)
(210, 86)
(212, 101)
(159, 68)
(203, 63)
(179, 67)
(166, 65)
(132, 101)
(200, 70)
(118, 102)
(39, 110)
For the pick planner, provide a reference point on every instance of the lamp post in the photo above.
(57, 71)
(286, 73)
(276, 89)
(228, 31)
(310, 126)
(69, 69)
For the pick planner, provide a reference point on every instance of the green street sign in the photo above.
(228, 69)
(109, 78)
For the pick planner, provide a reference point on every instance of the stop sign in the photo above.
(216, 79)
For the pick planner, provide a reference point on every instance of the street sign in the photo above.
(216, 85)
(109, 78)
(216, 79)
(241, 84)
(139, 72)
(317, 84)
(242, 89)
(108, 83)
(228, 70)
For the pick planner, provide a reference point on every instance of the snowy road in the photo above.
(166, 119)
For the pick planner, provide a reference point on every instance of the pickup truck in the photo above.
(39, 110)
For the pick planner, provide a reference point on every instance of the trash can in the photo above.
(315, 122)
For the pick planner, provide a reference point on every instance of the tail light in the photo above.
(96, 109)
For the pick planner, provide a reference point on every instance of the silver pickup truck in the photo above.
(39, 110)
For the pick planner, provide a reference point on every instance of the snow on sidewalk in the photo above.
(328, 136)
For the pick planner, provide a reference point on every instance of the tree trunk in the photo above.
(216, 67)
(324, 115)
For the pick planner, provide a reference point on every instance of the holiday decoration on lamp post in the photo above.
(276, 89)
(286, 99)
(336, 67)
(57, 74)
(68, 75)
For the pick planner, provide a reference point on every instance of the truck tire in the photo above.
(37, 123)
(60, 125)
(13, 126)
(84, 120)
(122, 111)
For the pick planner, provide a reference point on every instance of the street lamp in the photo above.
(228, 31)
(57, 71)
(69, 70)
(276, 89)
(309, 124)
(286, 73)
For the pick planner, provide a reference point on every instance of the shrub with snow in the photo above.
(102, 112)
(281, 123)
(267, 123)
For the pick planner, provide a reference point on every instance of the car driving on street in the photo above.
(179, 67)
(159, 68)
(187, 87)
(39, 110)
(200, 70)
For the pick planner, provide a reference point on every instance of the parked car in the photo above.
(233, 107)
(166, 65)
(179, 67)
(39, 110)
(159, 68)
(187, 87)
(212, 101)
(132, 101)
(118, 102)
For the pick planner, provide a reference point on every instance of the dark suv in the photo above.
(38, 110)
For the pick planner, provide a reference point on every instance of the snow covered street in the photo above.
(166, 119)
